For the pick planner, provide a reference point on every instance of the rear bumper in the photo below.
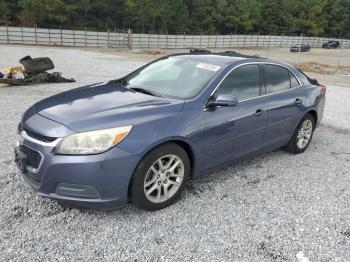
(92, 181)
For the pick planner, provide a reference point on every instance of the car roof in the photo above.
(220, 59)
(226, 58)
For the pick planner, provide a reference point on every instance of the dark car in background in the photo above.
(141, 137)
(300, 48)
(331, 44)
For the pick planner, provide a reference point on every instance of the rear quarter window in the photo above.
(293, 80)
(277, 78)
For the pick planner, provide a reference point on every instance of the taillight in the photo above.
(323, 88)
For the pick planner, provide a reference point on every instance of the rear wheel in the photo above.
(302, 135)
(160, 177)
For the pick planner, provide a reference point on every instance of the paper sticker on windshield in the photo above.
(208, 67)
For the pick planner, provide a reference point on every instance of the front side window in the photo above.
(179, 77)
(243, 83)
(277, 78)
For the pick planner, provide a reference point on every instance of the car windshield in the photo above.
(179, 77)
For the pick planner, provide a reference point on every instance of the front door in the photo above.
(232, 132)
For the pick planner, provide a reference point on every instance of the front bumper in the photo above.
(92, 180)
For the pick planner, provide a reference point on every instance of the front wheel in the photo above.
(302, 135)
(160, 177)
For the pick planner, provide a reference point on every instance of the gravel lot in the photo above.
(267, 208)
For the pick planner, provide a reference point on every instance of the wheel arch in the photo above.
(314, 115)
(178, 141)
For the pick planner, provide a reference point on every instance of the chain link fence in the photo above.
(127, 39)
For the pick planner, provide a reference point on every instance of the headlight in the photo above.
(92, 142)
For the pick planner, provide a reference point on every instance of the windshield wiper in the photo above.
(145, 91)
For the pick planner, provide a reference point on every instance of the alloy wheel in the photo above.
(164, 178)
(304, 134)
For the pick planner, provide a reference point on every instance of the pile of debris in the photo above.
(33, 70)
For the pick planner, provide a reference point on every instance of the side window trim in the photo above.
(264, 78)
(290, 80)
(262, 81)
(261, 65)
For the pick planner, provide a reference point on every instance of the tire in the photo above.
(293, 146)
(154, 185)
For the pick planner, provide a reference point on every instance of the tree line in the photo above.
(308, 17)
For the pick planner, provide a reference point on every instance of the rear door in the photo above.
(236, 131)
(284, 106)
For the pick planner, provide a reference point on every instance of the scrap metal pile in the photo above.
(33, 70)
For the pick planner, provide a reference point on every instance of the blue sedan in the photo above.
(141, 137)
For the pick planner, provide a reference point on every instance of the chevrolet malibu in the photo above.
(141, 137)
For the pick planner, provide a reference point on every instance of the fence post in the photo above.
(115, 38)
(36, 38)
(184, 41)
(148, 40)
(301, 38)
(167, 37)
(129, 39)
(158, 40)
(22, 35)
(61, 36)
(49, 36)
(281, 39)
(85, 40)
(7, 34)
(108, 38)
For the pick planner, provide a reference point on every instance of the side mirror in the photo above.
(222, 100)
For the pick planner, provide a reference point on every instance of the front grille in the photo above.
(34, 158)
(41, 138)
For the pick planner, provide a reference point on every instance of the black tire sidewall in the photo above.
(292, 145)
(136, 191)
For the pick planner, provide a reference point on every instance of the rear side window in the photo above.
(243, 83)
(277, 78)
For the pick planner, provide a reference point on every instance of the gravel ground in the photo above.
(268, 208)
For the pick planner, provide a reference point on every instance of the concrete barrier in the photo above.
(121, 39)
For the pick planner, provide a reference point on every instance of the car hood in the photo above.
(104, 105)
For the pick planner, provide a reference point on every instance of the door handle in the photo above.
(258, 112)
(298, 101)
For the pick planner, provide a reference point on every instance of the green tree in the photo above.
(311, 17)
(203, 16)
(43, 13)
(339, 18)
(3, 11)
